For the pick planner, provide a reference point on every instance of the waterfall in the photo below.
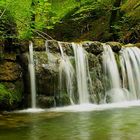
(130, 63)
(115, 93)
(66, 71)
(32, 76)
(79, 72)
(121, 73)
(82, 75)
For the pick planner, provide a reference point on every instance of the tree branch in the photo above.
(2, 13)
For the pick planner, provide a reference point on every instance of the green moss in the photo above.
(9, 97)
(118, 61)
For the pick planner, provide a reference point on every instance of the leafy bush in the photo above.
(8, 98)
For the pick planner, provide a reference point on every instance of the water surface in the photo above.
(110, 124)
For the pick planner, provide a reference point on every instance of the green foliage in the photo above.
(127, 27)
(28, 15)
(132, 9)
(8, 97)
(7, 24)
(41, 9)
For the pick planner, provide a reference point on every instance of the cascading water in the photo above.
(130, 63)
(121, 75)
(115, 91)
(32, 76)
(66, 71)
(82, 74)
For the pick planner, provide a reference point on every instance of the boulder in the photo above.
(93, 47)
(46, 68)
(116, 46)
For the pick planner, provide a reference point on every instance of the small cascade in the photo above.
(130, 63)
(32, 76)
(82, 75)
(115, 93)
(66, 72)
(121, 74)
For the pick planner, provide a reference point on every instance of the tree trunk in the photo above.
(114, 15)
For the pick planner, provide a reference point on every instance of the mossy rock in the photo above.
(94, 47)
(9, 71)
(137, 45)
(45, 101)
(67, 48)
(116, 46)
(63, 100)
(53, 46)
(10, 95)
(10, 56)
(129, 45)
(24, 46)
(39, 44)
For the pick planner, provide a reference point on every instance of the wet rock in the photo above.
(137, 45)
(46, 72)
(10, 71)
(45, 101)
(24, 46)
(93, 47)
(10, 56)
(129, 45)
(53, 46)
(67, 48)
(23, 58)
(116, 46)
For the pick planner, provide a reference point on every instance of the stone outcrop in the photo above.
(93, 47)
(47, 62)
(10, 71)
(11, 81)
(47, 57)
(116, 46)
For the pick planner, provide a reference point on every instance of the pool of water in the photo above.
(108, 124)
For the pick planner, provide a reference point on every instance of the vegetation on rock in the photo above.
(9, 97)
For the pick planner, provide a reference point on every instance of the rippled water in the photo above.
(109, 124)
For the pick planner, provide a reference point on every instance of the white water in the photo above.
(32, 76)
(82, 75)
(66, 72)
(115, 92)
(119, 91)
(30, 110)
(130, 65)
(95, 107)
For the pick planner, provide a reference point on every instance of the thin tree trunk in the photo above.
(114, 14)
